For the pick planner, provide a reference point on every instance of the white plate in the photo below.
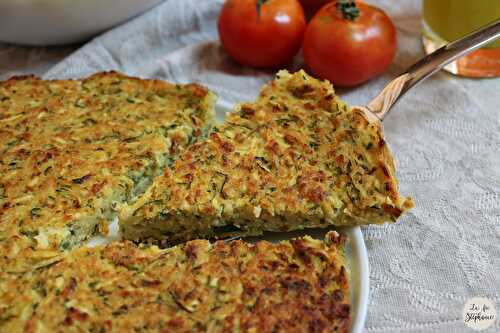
(50, 22)
(355, 251)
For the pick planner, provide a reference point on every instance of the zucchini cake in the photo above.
(300, 285)
(70, 150)
(297, 158)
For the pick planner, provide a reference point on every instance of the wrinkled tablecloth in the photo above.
(445, 135)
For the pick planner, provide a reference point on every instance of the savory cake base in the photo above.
(299, 285)
(297, 158)
(71, 150)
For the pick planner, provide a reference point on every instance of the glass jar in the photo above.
(447, 20)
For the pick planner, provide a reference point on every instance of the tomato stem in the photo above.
(348, 9)
(259, 6)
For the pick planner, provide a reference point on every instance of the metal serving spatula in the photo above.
(378, 108)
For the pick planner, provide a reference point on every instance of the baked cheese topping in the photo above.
(297, 158)
(71, 150)
(299, 285)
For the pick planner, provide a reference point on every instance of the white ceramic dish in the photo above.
(355, 251)
(52, 22)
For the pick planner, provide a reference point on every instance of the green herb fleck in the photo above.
(65, 245)
(81, 179)
(314, 145)
(35, 212)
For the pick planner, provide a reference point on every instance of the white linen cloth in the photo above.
(445, 135)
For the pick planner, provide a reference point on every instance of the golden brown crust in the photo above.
(296, 158)
(71, 149)
(299, 285)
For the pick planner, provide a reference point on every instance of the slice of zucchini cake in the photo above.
(71, 149)
(296, 158)
(299, 285)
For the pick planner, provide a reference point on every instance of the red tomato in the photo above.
(262, 33)
(348, 47)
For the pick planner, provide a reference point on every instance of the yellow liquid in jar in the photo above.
(452, 19)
